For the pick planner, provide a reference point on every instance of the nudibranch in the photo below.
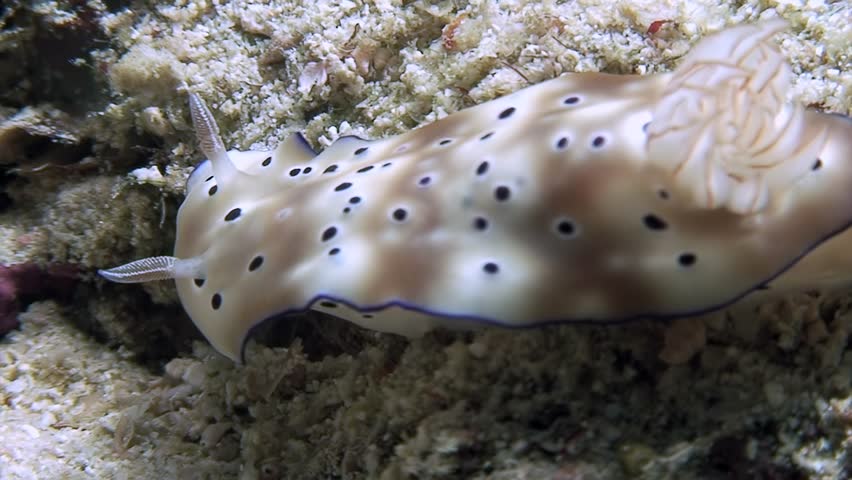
(587, 198)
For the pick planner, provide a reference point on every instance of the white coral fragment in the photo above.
(150, 175)
(724, 127)
(314, 73)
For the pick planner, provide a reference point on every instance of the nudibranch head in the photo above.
(556, 203)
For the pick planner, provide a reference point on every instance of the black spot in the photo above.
(295, 172)
(213, 190)
(346, 209)
(366, 315)
(233, 214)
(360, 150)
(663, 193)
(266, 161)
(480, 223)
(817, 165)
(365, 169)
(425, 181)
(506, 113)
(654, 222)
(502, 193)
(328, 304)
(256, 262)
(482, 168)
(216, 301)
(562, 143)
(384, 165)
(486, 136)
(566, 227)
(355, 200)
(687, 259)
(598, 141)
(199, 282)
(330, 169)
(491, 268)
(307, 170)
(334, 251)
(399, 214)
(572, 100)
(329, 233)
(209, 178)
(445, 141)
(343, 186)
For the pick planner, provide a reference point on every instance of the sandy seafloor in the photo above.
(113, 381)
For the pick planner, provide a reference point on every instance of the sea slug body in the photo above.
(587, 198)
